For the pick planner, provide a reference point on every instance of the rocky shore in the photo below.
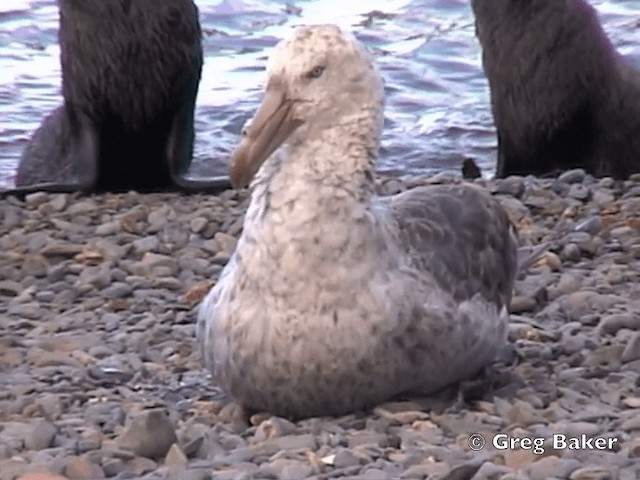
(100, 376)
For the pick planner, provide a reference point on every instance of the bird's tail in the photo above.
(528, 255)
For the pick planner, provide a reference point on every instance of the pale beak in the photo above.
(269, 128)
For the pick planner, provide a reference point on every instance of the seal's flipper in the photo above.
(84, 151)
(210, 185)
(181, 138)
(180, 153)
(45, 158)
(180, 148)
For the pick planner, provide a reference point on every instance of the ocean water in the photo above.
(437, 109)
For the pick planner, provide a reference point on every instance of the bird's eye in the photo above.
(315, 72)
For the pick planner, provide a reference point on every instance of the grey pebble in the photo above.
(188, 474)
(285, 469)
(198, 224)
(107, 229)
(579, 191)
(36, 199)
(111, 321)
(631, 350)
(594, 473)
(571, 252)
(159, 217)
(374, 474)
(463, 471)
(225, 243)
(552, 467)
(273, 427)
(292, 442)
(41, 436)
(489, 470)
(175, 456)
(146, 244)
(234, 474)
(634, 191)
(150, 434)
(364, 437)
(9, 287)
(602, 198)
(117, 290)
(345, 458)
(631, 424)
(45, 296)
(142, 465)
(99, 277)
(576, 175)
(522, 304)
(152, 262)
(513, 186)
(59, 201)
(591, 225)
(610, 324)
(113, 467)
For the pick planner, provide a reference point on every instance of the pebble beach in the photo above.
(101, 376)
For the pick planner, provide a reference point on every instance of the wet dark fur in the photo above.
(130, 75)
(561, 96)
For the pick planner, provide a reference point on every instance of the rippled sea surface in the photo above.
(437, 97)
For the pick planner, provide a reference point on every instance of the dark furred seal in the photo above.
(562, 97)
(130, 75)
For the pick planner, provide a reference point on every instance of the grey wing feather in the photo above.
(462, 236)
